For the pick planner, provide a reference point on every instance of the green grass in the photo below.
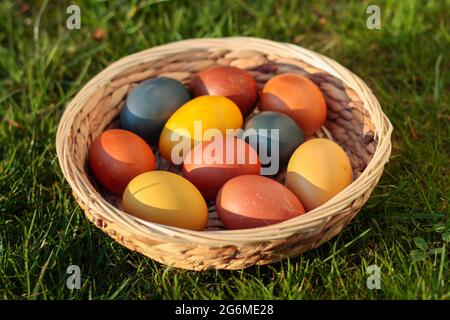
(404, 228)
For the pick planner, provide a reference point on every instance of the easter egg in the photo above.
(212, 163)
(274, 133)
(117, 156)
(198, 120)
(317, 171)
(233, 83)
(166, 198)
(298, 97)
(252, 201)
(150, 104)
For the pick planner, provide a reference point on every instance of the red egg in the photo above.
(252, 201)
(210, 164)
(117, 156)
(298, 97)
(233, 83)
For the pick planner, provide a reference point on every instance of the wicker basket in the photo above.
(355, 121)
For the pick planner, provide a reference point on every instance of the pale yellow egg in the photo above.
(166, 198)
(317, 171)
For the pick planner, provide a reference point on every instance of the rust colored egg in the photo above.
(298, 97)
(117, 156)
(233, 83)
(252, 201)
(210, 164)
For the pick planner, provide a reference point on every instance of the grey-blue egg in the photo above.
(262, 138)
(150, 105)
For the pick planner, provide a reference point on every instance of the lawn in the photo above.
(404, 228)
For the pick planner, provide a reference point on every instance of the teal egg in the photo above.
(290, 136)
(150, 105)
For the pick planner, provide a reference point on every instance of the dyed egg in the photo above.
(298, 97)
(166, 198)
(233, 83)
(117, 156)
(317, 171)
(252, 201)
(212, 163)
(150, 104)
(198, 120)
(283, 142)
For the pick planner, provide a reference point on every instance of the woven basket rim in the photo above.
(312, 220)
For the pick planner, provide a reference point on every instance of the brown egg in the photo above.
(210, 164)
(117, 156)
(233, 83)
(252, 201)
(298, 97)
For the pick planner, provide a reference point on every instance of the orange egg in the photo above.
(298, 97)
(117, 156)
(212, 163)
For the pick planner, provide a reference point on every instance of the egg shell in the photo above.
(212, 163)
(210, 112)
(117, 156)
(150, 104)
(298, 97)
(166, 198)
(252, 201)
(231, 82)
(290, 136)
(317, 171)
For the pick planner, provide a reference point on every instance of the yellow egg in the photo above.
(189, 125)
(166, 198)
(317, 171)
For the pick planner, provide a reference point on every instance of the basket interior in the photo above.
(347, 122)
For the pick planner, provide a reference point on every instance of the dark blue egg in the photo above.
(290, 136)
(150, 104)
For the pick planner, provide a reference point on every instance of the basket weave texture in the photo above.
(354, 120)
